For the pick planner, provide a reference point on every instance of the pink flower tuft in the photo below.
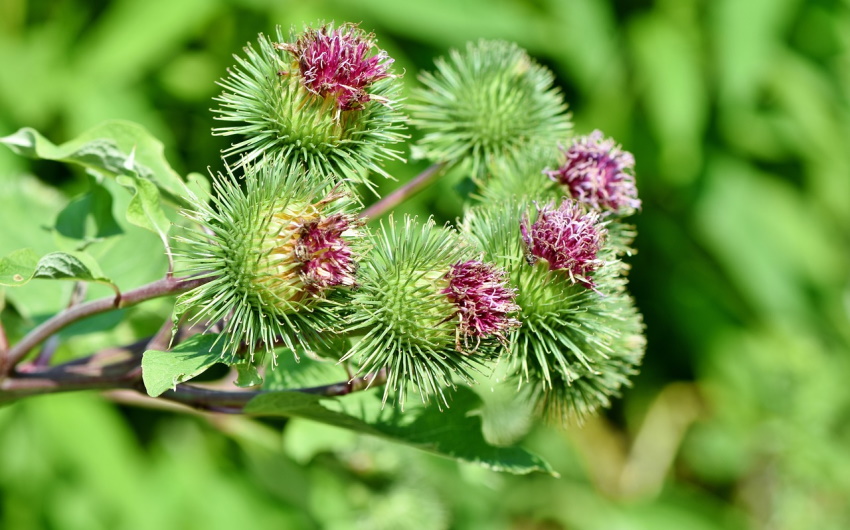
(335, 62)
(326, 258)
(598, 173)
(567, 238)
(482, 298)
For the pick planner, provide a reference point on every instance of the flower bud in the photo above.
(567, 238)
(276, 250)
(491, 102)
(324, 99)
(336, 63)
(421, 302)
(483, 300)
(597, 172)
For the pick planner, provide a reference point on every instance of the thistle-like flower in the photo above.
(483, 299)
(324, 99)
(336, 63)
(567, 237)
(420, 295)
(577, 346)
(488, 104)
(277, 249)
(599, 173)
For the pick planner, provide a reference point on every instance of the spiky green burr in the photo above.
(279, 246)
(283, 99)
(489, 103)
(406, 312)
(577, 346)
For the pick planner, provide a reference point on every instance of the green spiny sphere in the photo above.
(293, 99)
(409, 324)
(276, 247)
(521, 177)
(577, 345)
(490, 103)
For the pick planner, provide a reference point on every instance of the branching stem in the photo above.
(164, 287)
(405, 192)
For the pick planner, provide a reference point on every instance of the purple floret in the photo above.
(335, 62)
(568, 238)
(483, 300)
(598, 173)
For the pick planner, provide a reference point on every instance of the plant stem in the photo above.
(120, 368)
(164, 287)
(4, 344)
(403, 193)
(234, 401)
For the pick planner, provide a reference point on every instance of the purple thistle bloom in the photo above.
(482, 298)
(326, 258)
(568, 238)
(334, 62)
(597, 172)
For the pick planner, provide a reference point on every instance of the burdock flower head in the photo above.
(427, 310)
(483, 299)
(276, 249)
(337, 63)
(567, 237)
(325, 98)
(599, 173)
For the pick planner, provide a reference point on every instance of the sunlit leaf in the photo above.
(454, 432)
(106, 148)
(144, 209)
(163, 370)
(18, 267)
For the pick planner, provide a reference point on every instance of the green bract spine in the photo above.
(577, 346)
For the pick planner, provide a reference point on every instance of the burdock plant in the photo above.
(279, 273)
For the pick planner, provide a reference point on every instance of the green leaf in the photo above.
(144, 209)
(18, 267)
(163, 370)
(247, 375)
(88, 217)
(106, 148)
(453, 433)
(307, 371)
(23, 265)
(77, 266)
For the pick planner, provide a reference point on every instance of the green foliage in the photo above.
(112, 148)
(23, 265)
(448, 433)
(162, 370)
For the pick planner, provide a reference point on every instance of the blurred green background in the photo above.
(737, 112)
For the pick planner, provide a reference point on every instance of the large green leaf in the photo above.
(163, 370)
(23, 265)
(454, 432)
(144, 209)
(88, 218)
(115, 147)
(18, 267)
